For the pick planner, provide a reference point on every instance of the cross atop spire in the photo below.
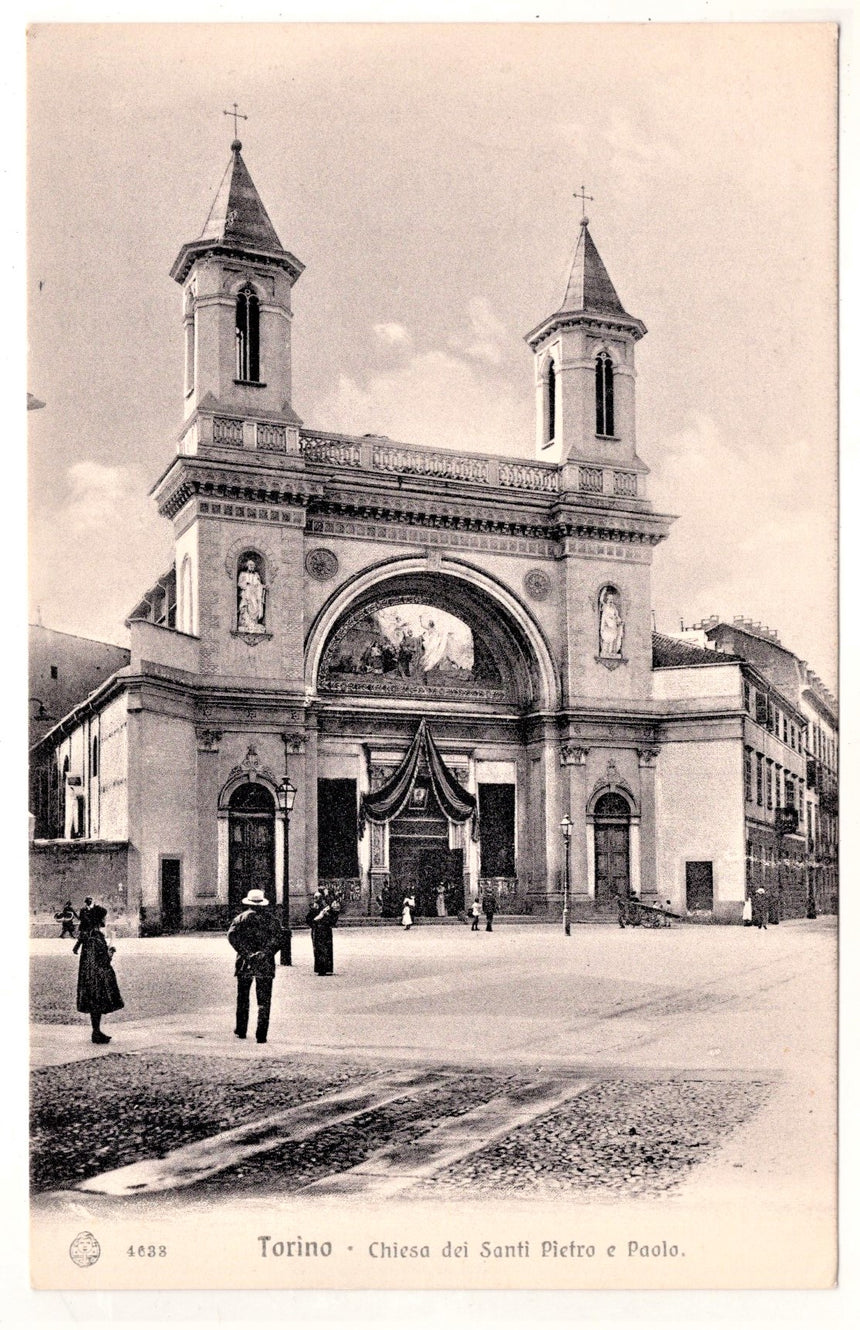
(577, 194)
(237, 116)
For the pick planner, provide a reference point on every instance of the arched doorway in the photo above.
(611, 848)
(252, 844)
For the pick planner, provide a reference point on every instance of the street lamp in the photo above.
(566, 829)
(287, 797)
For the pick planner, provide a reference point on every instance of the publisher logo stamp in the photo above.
(85, 1250)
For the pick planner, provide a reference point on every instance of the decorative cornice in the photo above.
(627, 326)
(189, 477)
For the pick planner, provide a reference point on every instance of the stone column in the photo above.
(648, 831)
(305, 806)
(574, 757)
(554, 809)
(203, 897)
(309, 794)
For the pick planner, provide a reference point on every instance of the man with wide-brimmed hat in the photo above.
(255, 935)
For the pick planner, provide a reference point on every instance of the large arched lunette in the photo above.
(547, 690)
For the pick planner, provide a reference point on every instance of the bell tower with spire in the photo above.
(584, 368)
(236, 279)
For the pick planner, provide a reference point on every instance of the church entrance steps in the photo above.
(444, 922)
(398, 1166)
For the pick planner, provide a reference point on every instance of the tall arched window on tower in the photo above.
(186, 597)
(604, 394)
(248, 335)
(549, 403)
(189, 342)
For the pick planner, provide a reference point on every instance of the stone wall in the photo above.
(71, 870)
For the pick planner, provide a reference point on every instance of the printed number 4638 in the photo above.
(146, 1251)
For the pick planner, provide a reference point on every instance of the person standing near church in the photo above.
(475, 912)
(490, 906)
(256, 936)
(321, 918)
(407, 910)
(98, 990)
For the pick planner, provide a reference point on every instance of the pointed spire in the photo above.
(237, 216)
(588, 295)
(589, 286)
(237, 222)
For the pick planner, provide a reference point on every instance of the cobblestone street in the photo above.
(442, 1063)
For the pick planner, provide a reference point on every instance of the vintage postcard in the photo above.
(433, 710)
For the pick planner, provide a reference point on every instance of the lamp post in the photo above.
(287, 797)
(566, 829)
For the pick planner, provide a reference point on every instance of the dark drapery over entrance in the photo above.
(456, 803)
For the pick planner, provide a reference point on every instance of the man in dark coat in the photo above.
(67, 917)
(321, 918)
(490, 905)
(256, 936)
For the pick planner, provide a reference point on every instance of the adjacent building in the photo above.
(815, 796)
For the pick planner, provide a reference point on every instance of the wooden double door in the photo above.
(611, 849)
(252, 845)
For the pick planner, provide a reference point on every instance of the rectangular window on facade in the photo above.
(759, 779)
(700, 885)
(747, 698)
(769, 784)
(789, 792)
(777, 787)
(496, 814)
(761, 708)
(748, 794)
(337, 829)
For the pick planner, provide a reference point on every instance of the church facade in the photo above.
(439, 655)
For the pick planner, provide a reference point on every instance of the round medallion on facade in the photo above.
(321, 564)
(537, 584)
(85, 1250)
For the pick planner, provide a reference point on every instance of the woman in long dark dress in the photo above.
(98, 990)
(320, 918)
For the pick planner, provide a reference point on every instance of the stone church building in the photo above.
(443, 653)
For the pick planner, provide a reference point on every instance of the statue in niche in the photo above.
(252, 599)
(611, 623)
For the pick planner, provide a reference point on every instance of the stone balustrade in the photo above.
(381, 455)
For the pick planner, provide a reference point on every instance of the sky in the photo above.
(425, 175)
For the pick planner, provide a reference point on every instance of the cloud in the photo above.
(755, 536)
(436, 400)
(485, 337)
(393, 334)
(100, 495)
(95, 552)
